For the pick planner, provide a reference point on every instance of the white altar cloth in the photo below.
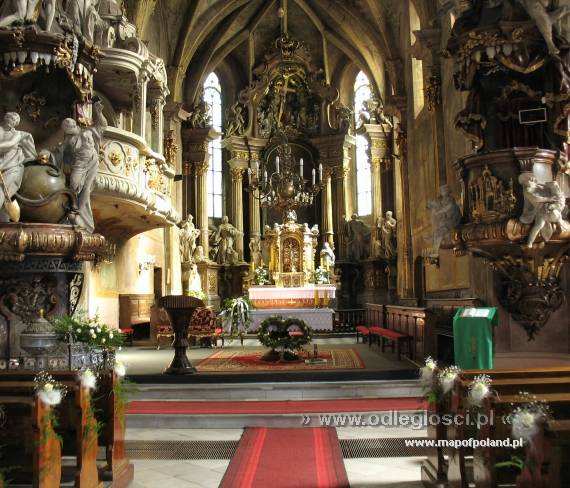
(282, 293)
(316, 318)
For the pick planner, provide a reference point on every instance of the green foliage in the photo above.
(322, 276)
(123, 390)
(80, 328)
(199, 294)
(274, 333)
(515, 462)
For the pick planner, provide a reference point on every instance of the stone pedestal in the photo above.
(209, 276)
(350, 282)
(375, 282)
(232, 279)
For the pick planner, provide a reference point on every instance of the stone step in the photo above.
(280, 390)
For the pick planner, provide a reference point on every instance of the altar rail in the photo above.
(346, 319)
(423, 324)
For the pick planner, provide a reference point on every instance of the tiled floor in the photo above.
(362, 473)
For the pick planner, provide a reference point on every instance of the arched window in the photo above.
(362, 93)
(417, 64)
(213, 97)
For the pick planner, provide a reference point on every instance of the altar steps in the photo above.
(154, 404)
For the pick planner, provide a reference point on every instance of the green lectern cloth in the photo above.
(473, 338)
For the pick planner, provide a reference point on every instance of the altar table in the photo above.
(316, 318)
(276, 297)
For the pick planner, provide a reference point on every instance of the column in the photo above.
(327, 209)
(237, 171)
(139, 106)
(157, 116)
(195, 142)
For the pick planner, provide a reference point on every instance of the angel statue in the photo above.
(445, 216)
(16, 148)
(256, 252)
(224, 238)
(544, 206)
(236, 120)
(545, 19)
(188, 236)
(27, 11)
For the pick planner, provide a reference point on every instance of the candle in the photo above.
(265, 176)
(301, 167)
(314, 176)
(321, 172)
(277, 164)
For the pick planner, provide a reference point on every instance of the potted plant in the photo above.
(235, 317)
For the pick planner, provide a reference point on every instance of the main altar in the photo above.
(294, 287)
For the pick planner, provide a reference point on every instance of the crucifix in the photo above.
(281, 89)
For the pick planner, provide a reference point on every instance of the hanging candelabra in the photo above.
(282, 185)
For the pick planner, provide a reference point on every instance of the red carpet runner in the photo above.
(275, 407)
(287, 458)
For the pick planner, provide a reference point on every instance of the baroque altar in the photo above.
(289, 250)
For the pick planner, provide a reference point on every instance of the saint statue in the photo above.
(225, 238)
(84, 14)
(188, 236)
(256, 252)
(27, 11)
(445, 216)
(327, 258)
(544, 206)
(80, 152)
(194, 280)
(16, 148)
(387, 234)
(357, 236)
(199, 254)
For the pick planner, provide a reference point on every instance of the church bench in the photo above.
(77, 422)
(396, 340)
(362, 331)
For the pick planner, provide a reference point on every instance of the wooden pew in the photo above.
(77, 414)
(118, 468)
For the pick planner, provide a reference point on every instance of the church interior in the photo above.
(243, 236)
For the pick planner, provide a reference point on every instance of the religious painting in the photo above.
(291, 255)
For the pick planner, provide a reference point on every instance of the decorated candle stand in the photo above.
(516, 183)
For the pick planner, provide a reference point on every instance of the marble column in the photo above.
(327, 232)
(139, 106)
(196, 158)
(157, 116)
(237, 171)
(335, 155)
(255, 145)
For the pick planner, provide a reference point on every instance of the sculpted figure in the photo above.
(188, 236)
(327, 258)
(225, 239)
(194, 281)
(545, 20)
(256, 252)
(387, 234)
(236, 120)
(27, 11)
(357, 238)
(445, 216)
(544, 206)
(199, 255)
(84, 14)
(200, 116)
(79, 152)
(16, 148)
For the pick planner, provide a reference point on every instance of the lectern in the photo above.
(180, 309)
(473, 337)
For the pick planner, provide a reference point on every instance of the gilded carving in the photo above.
(489, 200)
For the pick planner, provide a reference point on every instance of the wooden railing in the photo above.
(345, 320)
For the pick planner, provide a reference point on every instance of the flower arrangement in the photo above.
(322, 276)
(88, 379)
(289, 335)
(525, 419)
(48, 390)
(235, 316)
(427, 372)
(120, 369)
(479, 389)
(86, 330)
(448, 377)
(261, 276)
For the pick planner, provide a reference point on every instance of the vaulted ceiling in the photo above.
(197, 36)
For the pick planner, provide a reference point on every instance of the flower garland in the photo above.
(479, 389)
(274, 332)
(48, 390)
(90, 331)
(448, 377)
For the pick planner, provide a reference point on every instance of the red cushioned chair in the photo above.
(396, 340)
(203, 328)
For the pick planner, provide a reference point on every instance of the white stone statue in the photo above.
(84, 14)
(199, 255)
(188, 236)
(256, 252)
(80, 152)
(224, 238)
(16, 148)
(545, 20)
(327, 258)
(544, 206)
(194, 280)
(357, 236)
(445, 216)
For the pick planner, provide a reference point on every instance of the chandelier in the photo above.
(282, 185)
